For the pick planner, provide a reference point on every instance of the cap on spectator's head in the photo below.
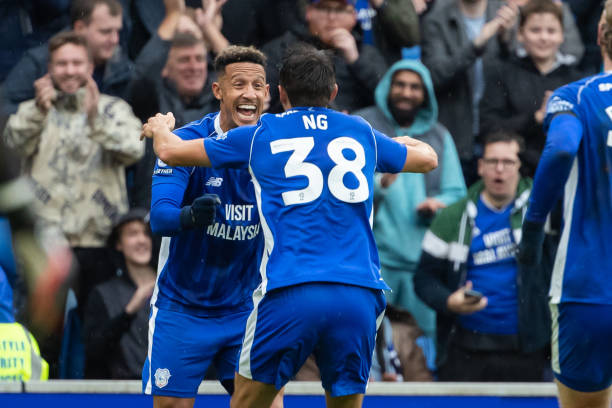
(351, 2)
(135, 214)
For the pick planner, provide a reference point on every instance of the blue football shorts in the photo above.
(582, 345)
(335, 322)
(183, 346)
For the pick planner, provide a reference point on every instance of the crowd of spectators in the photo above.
(78, 78)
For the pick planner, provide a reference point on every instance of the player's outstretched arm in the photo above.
(170, 148)
(420, 157)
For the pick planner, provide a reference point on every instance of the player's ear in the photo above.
(216, 88)
(284, 98)
(334, 93)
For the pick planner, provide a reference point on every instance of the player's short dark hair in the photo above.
(308, 75)
(68, 37)
(184, 40)
(238, 53)
(540, 7)
(505, 136)
(83, 9)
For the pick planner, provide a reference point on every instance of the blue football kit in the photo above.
(206, 277)
(579, 145)
(313, 172)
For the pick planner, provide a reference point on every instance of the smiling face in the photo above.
(135, 243)
(541, 35)
(406, 96)
(186, 68)
(499, 170)
(242, 92)
(101, 33)
(70, 67)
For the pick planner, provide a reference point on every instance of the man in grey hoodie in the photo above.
(405, 204)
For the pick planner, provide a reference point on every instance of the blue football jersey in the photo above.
(583, 266)
(212, 271)
(313, 171)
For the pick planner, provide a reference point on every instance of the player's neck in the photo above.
(607, 63)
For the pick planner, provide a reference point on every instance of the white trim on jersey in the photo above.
(556, 286)
(164, 253)
(268, 238)
(154, 310)
(554, 343)
(244, 362)
(435, 246)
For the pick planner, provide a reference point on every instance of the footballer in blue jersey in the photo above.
(209, 257)
(313, 170)
(576, 165)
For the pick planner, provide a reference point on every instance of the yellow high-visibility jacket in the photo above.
(20, 358)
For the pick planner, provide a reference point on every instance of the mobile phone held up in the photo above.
(472, 296)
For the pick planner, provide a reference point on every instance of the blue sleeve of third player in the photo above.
(233, 149)
(562, 143)
(390, 155)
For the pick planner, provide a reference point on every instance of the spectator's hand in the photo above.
(140, 298)
(387, 179)
(92, 97)
(157, 123)
(489, 30)
(540, 114)
(342, 40)
(458, 303)
(174, 6)
(530, 247)
(210, 14)
(45, 93)
(420, 6)
(429, 207)
(201, 212)
(508, 16)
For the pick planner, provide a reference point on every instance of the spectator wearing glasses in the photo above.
(471, 245)
(330, 25)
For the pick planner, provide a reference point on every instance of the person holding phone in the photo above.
(492, 318)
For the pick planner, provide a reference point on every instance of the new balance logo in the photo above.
(214, 181)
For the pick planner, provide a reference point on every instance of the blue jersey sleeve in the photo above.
(167, 191)
(563, 100)
(390, 155)
(562, 143)
(233, 149)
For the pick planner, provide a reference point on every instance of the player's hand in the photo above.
(157, 123)
(45, 93)
(174, 6)
(201, 212)
(532, 240)
(342, 40)
(140, 298)
(458, 303)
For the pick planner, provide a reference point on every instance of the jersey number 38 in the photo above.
(296, 166)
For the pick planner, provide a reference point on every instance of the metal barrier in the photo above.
(115, 394)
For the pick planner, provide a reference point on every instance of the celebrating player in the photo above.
(321, 289)
(576, 160)
(210, 253)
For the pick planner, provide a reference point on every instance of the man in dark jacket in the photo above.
(100, 22)
(499, 333)
(330, 25)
